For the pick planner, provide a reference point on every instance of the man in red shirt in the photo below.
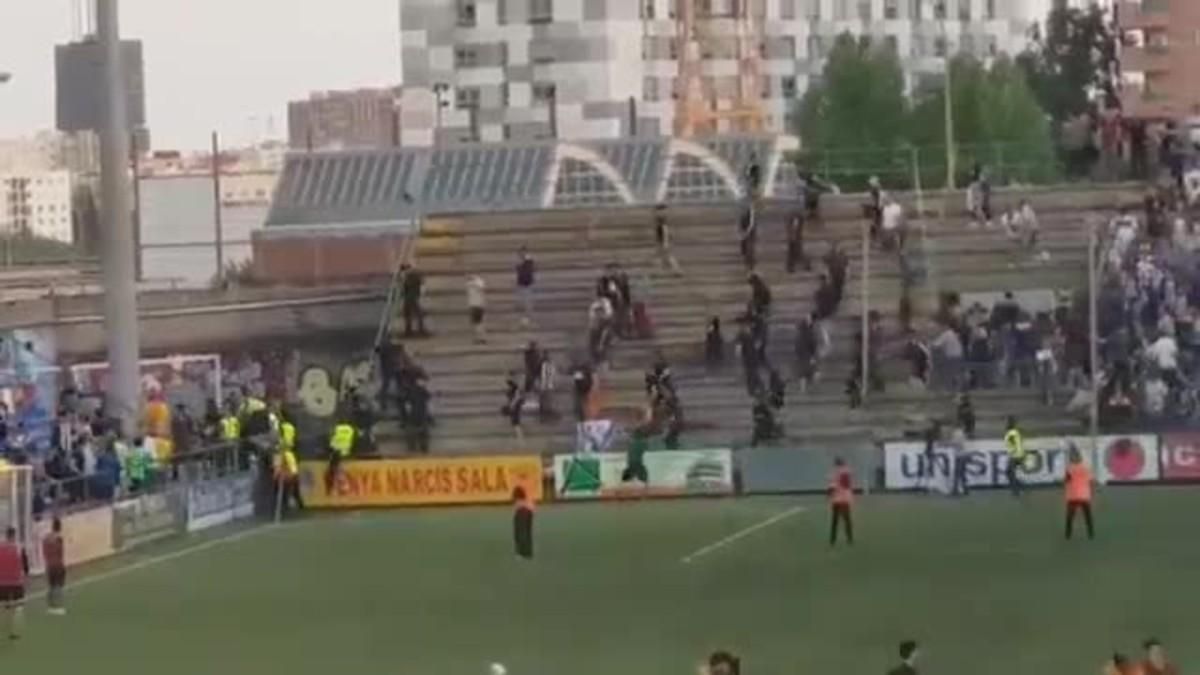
(54, 553)
(13, 568)
(841, 498)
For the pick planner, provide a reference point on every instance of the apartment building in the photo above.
(1160, 58)
(36, 203)
(493, 70)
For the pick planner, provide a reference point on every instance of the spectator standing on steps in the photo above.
(526, 276)
(837, 263)
(514, 402)
(748, 233)
(419, 418)
(760, 296)
(795, 243)
(714, 344)
(662, 240)
(532, 356)
(476, 304)
(412, 285)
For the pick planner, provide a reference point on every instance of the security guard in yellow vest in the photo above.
(287, 469)
(287, 435)
(1014, 442)
(231, 428)
(341, 444)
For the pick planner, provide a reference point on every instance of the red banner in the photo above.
(1180, 454)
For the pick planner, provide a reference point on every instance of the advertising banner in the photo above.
(668, 473)
(219, 501)
(1122, 459)
(421, 482)
(87, 535)
(1180, 456)
(148, 518)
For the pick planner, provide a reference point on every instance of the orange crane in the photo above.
(701, 33)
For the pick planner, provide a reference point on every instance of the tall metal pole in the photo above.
(123, 397)
(218, 225)
(948, 112)
(1094, 339)
(864, 387)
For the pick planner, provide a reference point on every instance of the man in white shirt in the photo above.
(476, 304)
(1164, 353)
(893, 222)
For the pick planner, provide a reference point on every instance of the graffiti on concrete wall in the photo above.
(313, 383)
(29, 382)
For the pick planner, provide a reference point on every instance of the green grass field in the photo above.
(986, 584)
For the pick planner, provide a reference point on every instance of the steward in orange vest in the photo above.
(841, 499)
(523, 523)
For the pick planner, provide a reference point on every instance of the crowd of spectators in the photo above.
(1149, 308)
(82, 455)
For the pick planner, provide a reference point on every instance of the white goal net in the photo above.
(16, 508)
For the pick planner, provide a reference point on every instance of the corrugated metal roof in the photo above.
(391, 185)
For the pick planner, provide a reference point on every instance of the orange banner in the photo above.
(420, 482)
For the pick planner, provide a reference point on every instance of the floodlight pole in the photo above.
(123, 397)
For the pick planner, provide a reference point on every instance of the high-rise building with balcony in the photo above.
(516, 69)
(1160, 58)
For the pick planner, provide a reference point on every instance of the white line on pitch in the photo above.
(722, 543)
(164, 558)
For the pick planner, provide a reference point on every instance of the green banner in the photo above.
(661, 474)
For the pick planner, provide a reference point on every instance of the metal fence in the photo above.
(79, 492)
(905, 167)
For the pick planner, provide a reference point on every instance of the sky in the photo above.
(224, 65)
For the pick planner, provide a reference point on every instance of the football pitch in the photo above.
(986, 584)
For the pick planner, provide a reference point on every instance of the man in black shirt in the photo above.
(411, 285)
(419, 418)
(760, 296)
(526, 275)
(750, 360)
(795, 243)
(581, 379)
(837, 263)
(662, 240)
(748, 233)
(908, 659)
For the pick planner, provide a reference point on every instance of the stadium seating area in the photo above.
(571, 248)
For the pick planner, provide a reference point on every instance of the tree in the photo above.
(852, 122)
(1071, 64)
(997, 123)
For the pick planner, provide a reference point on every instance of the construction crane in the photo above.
(703, 31)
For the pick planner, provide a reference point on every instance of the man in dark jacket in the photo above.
(411, 287)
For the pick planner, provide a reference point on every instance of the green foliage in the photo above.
(997, 123)
(1073, 60)
(28, 249)
(857, 121)
(859, 103)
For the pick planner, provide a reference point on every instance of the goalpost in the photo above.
(16, 510)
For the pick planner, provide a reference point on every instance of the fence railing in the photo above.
(78, 492)
(903, 167)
